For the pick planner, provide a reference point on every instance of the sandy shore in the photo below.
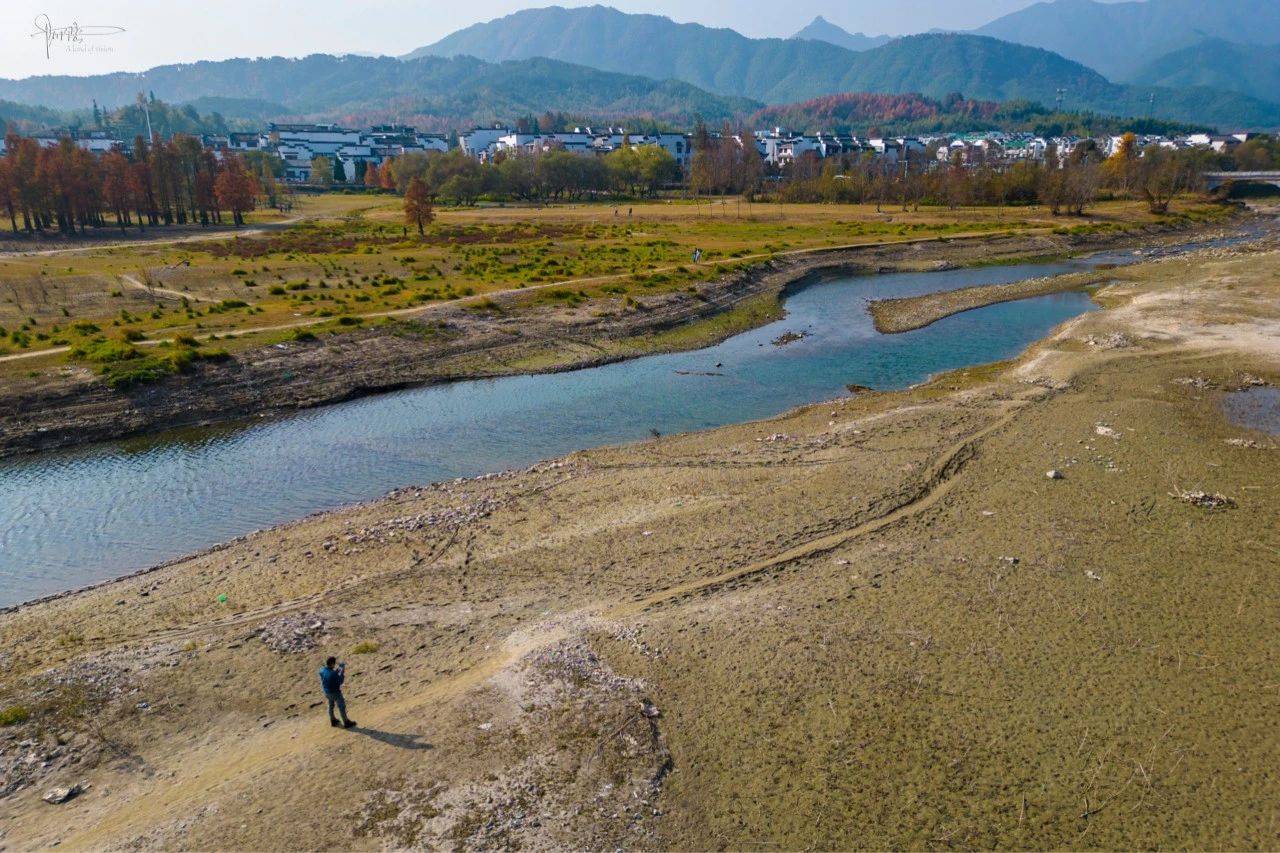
(868, 623)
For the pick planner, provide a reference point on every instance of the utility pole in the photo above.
(1061, 93)
(146, 111)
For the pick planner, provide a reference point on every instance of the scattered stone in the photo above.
(1114, 340)
(1204, 500)
(1053, 474)
(650, 710)
(58, 796)
(1091, 576)
(1105, 430)
(447, 518)
(293, 633)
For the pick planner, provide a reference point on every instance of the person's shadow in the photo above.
(396, 739)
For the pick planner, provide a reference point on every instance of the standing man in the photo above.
(332, 674)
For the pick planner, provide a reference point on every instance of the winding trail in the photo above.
(256, 231)
(164, 291)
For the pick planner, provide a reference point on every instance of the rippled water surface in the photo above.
(72, 518)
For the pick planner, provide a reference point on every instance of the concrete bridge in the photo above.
(1213, 180)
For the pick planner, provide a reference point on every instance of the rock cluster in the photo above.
(446, 518)
(1204, 500)
(298, 632)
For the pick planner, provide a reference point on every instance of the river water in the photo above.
(75, 517)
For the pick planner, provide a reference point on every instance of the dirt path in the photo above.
(133, 282)
(255, 231)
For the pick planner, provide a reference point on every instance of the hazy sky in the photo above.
(181, 31)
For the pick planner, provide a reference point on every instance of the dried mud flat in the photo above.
(867, 623)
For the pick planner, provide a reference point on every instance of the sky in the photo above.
(157, 33)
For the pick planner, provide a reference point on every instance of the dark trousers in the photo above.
(335, 698)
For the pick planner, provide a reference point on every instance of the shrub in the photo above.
(14, 714)
(364, 648)
(103, 351)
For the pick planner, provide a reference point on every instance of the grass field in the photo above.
(348, 260)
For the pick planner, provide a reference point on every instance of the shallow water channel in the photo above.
(74, 517)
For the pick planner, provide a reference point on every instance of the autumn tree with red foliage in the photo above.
(418, 209)
(235, 188)
(66, 188)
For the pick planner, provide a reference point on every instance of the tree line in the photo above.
(1066, 182)
(553, 175)
(176, 182)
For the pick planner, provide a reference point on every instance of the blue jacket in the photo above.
(331, 679)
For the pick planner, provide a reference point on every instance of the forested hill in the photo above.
(869, 114)
(23, 118)
(460, 90)
(986, 68)
(1249, 68)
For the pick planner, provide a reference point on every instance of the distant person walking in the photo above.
(332, 674)
(697, 255)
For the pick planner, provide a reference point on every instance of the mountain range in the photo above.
(463, 89)
(781, 70)
(1120, 39)
(597, 62)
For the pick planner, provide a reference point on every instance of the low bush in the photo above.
(14, 714)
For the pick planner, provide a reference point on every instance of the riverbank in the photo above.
(484, 337)
(868, 623)
(894, 316)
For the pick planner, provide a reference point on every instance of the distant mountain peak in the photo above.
(820, 29)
